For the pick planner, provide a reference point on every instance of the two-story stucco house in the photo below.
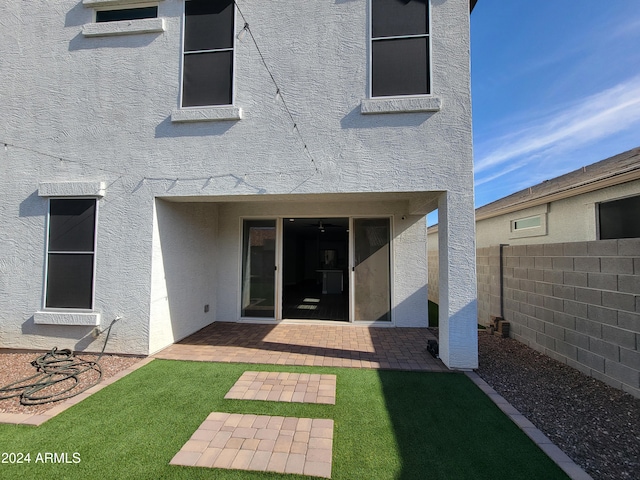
(176, 163)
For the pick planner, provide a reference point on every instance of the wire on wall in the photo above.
(279, 95)
(239, 178)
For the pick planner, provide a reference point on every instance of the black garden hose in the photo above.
(55, 367)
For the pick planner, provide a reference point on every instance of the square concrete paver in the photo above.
(261, 442)
(285, 387)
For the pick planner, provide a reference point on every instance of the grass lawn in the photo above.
(388, 425)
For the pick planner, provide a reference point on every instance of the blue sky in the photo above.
(556, 86)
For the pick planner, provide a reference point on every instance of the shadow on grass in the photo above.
(446, 428)
(388, 425)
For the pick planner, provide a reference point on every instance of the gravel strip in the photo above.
(16, 366)
(596, 425)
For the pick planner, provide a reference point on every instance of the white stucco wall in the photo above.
(183, 271)
(99, 109)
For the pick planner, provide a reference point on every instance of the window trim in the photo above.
(113, 4)
(599, 215)
(122, 27)
(370, 95)
(91, 308)
(224, 108)
(516, 228)
(533, 231)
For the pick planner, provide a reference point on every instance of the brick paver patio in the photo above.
(310, 345)
(261, 442)
(285, 387)
(287, 444)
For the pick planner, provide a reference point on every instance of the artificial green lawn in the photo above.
(388, 425)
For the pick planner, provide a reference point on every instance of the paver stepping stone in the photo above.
(285, 387)
(260, 442)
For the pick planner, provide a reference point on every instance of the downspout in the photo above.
(502, 245)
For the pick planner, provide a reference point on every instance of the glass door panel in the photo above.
(372, 269)
(258, 268)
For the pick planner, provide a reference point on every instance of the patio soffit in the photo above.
(419, 203)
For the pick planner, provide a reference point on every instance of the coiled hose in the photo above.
(55, 367)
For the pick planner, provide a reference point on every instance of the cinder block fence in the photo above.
(576, 302)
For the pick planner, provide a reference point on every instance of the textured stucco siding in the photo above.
(99, 109)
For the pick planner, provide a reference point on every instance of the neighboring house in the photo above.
(176, 163)
(560, 261)
(597, 202)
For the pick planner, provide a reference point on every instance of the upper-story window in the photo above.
(208, 53)
(400, 48)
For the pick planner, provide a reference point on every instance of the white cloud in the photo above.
(592, 118)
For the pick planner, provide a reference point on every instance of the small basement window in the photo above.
(120, 14)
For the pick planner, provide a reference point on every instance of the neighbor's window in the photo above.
(529, 222)
(71, 253)
(136, 13)
(208, 53)
(619, 218)
(399, 47)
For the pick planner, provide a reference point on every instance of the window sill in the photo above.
(125, 27)
(67, 318)
(206, 114)
(373, 106)
(540, 231)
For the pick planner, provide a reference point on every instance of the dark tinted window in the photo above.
(399, 17)
(71, 253)
(72, 225)
(620, 218)
(126, 14)
(400, 67)
(399, 47)
(208, 53)
(208, 25)
(70, 281)
(207, 79)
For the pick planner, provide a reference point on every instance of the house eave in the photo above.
(593, 185)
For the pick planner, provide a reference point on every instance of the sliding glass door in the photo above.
(259, 268)
(371, 269)
(367, 294)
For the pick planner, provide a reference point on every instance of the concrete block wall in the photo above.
(488, 271)
(576, 302)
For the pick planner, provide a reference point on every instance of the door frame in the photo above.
(278, 270)
(352, 291)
